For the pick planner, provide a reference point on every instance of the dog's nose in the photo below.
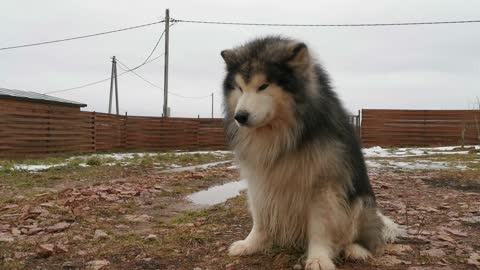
(241, 117)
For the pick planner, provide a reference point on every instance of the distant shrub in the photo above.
(7, 165)
(94, 161)
(74, 162)
(147, 161)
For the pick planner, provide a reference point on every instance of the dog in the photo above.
(307, 180)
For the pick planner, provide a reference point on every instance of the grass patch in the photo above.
(51, 177)
(6, 165)
(190, 216)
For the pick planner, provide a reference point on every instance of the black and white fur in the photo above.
(307, 181)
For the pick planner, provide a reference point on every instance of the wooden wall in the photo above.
(420, 127)
(36, 129)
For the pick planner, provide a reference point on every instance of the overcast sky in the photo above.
(417, 67)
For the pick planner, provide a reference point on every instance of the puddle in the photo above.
(191, 168)
(217, 194)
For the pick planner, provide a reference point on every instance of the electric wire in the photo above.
(100, 81)
(154, 85)
(80, 37)
(327, 25)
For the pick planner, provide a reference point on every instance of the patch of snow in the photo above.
(373, 164)
(124, 156)
(218, 152)
(420, 166)
(233, 167)
(36, 168)
(378, 151)
(192, 168)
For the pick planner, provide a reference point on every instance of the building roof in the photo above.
(36, 97)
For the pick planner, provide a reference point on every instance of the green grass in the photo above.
(190, 216)
(50, 177)
(146, 160)
(470, 160)
(28, 182)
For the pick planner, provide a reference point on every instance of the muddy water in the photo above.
(217, 194)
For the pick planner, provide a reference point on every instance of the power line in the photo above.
(328, 25)
(153, 50)
(80, 37)
(154, 85)
(147, 60)
(241, 23)
(138, 75)
(100, 81)
(82, 86)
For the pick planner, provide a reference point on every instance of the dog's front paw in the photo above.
(242, 248)
(319, 264)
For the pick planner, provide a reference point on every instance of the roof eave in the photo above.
(81, 105)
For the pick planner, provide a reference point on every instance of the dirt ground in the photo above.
(139, 219)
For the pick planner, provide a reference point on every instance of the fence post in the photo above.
(359, 124)
(124, 132)
(94, 132)
(49, 123)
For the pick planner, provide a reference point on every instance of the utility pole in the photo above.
(165, 76)
(212, 105)
(116, 85)
(111, 91)
(113, 79)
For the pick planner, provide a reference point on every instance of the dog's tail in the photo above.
(391, 230)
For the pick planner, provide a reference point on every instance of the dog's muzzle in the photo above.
(242, 117)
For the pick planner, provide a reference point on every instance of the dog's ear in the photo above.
(299, 57)
(229, 56)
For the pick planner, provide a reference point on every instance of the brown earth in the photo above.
(141, 221)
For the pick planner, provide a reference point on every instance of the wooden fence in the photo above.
(31, 130)
(34, 129)
(420, 127)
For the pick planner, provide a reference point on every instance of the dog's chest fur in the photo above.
(280, 197)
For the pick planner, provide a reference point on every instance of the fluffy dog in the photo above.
(307, 181)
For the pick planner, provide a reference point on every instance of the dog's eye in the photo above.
(239, 88)
(263, 87)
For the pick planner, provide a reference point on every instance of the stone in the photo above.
(6, 239)
(474, 259)
(58, 227)
(140, 218)
(397, 249)
(98, 264)
(434, 252)
(16, 231)
(99, 234)
(69, 266)
(471, 220)
(10, 206)
(122, 227)
(45, 250)
(59, 248)
(430, 268)
(78, 238)
(388, 260)
(151, 237)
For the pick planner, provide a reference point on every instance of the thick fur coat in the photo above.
(307, 181)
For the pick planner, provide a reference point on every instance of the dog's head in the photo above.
(265, 79)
